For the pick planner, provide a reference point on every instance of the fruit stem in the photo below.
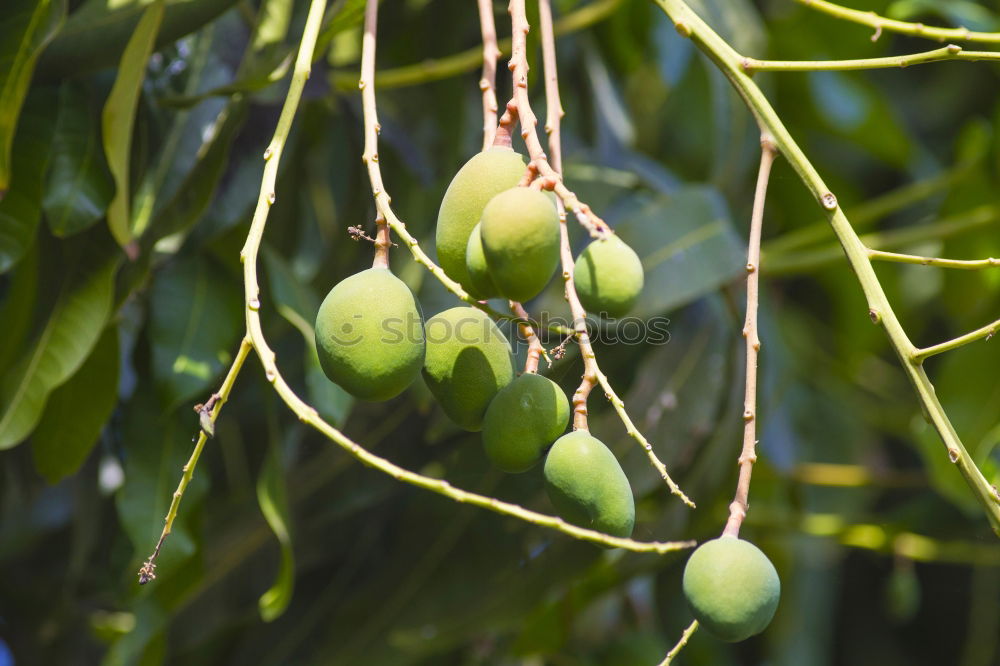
(491, 52)
(382, 243)
(535, 348)
(740, 504)
(592, 375)
(519, 107)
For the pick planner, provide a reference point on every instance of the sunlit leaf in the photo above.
(118, 117)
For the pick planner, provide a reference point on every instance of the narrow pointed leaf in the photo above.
(21, 207)
(118, 117)
(26, 26)
(77, 411)
(273, 500)
(72, 326)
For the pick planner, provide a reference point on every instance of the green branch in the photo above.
(987, 332)
(685, 637)
(689, 24)
(207, 414)
(950, 52)
(880, 23)
(960, 264)
(781, 263)
(866, 213)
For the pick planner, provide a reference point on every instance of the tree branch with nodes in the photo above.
(675, 650)
(748, 455)
(879, 23)
(689, 25)
(488, 81)
(939, 262)
(783, 261)
(952, 52)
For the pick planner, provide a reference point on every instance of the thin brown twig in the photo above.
(491, 52)
(521, 106)
(535, 348)
(519, 67)
(593, 374)
(740, 504)
(382, 199)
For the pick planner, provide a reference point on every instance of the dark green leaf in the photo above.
(196, 191)
(26, 26)
(76, 412)
(72, 326)
(21, 208)
(118, 117)
(195, 320)
(79, 185)
(18, 307)
(95, 35)
(262, 73)
(687, 245)
(273, 500)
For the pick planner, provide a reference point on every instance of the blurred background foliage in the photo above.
(286, 551)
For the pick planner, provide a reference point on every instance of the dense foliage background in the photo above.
(884, 556)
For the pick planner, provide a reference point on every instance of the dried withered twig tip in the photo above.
(147, 572)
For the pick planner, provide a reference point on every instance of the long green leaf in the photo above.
(80, 187)
(273, 499)
(72, 327)
(196, 318)
(21, 208)
(18, 306)
(76, 412)
(118, 117)
(26, 26)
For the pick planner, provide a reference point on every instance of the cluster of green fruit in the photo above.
(496, 239)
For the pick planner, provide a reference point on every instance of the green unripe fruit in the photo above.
(525, 417)
(370, 335)
(732, 588)
(485, 175)
(608, 276)
(587, 485)
(520, 230)
(468, 360)
(480, 283)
